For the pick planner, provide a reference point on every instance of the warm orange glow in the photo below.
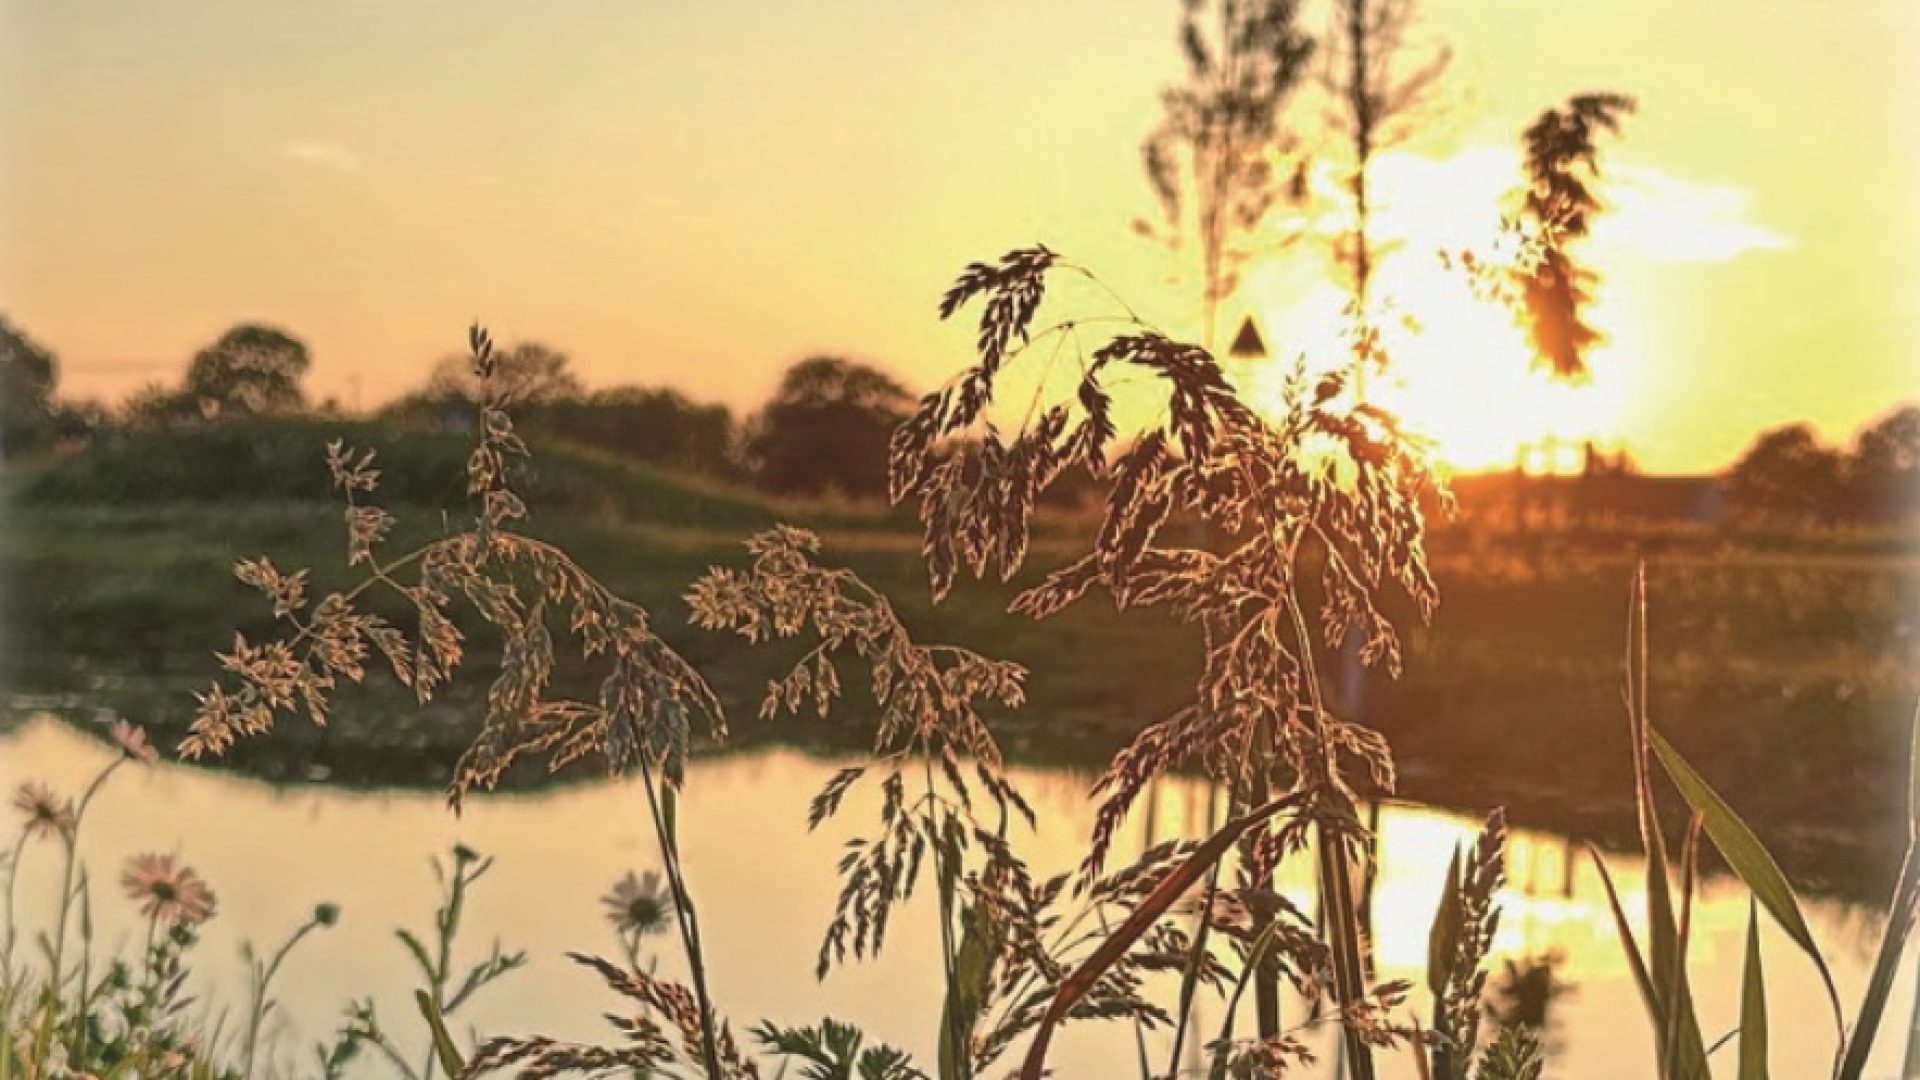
(1461, 371)
(677, 194)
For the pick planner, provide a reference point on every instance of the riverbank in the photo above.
(1787, 676)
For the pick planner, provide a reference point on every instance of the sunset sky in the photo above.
(700, 194)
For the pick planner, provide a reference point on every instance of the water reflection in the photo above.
(766, 890)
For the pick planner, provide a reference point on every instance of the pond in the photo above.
(766, 887)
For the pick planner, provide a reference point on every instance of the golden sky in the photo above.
(700, 194)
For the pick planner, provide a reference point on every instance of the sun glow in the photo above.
(1460, 371)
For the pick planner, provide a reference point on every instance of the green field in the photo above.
(1784, 666)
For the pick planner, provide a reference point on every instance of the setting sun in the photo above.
(1461, 372)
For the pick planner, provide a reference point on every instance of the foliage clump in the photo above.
(650, 699)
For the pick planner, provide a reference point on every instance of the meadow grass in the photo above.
(1250, 710)
(1796, 664)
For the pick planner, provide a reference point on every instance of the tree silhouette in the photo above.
(156, 406)
(660, 426)
(252, 369)
(654, 425)
(1885, 469)
(1562, 164)
(529, 373)
(1789, 474)
(827, 428)
(1382, 82)
(28, 373)
(1216, 161)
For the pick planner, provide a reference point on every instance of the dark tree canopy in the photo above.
(660, 426)
(1384, 82)
(252, 369)
(1215, 159)
(529, 373)
(1563, 163)
(157, 406)
(1789, 474)
(28, 374)
(827, 429)
(1886, 466)
(549, 402)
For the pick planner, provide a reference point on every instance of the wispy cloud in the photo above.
(1668, 219)
(1648, 212)
(322, 155)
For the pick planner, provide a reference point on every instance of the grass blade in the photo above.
(1893, 940)
(1249, 972)
(1171, 887)
(1748, 858)
(1893, 945)
(966, 991)
(443, 1048)
(1753, 1005)
(1679, 1003)
(1647, 813)
(1649, 996)
(1683, 1057)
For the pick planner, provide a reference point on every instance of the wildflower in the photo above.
(638, 905)
(46, 813)
(132, 742)
(326, 914)
(167, 891)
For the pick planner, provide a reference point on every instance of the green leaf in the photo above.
(1913, 775)
(1223, 1046)
(1685, 1057)
(670, 818)
(1753, 1006)
(450, 1060)
(1748, 858)
(1443, 937)
(1683, 1053)
(1893, 942)
(967, 994)
(1170, 888)
(1514, 1055)
(1635, 963)
(419, 953)
(1691, 1053)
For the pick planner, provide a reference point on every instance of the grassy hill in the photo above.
(284, 461)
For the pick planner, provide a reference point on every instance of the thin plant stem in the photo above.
(1255, 955)
(262, 981)
(57, 975)
(1190, 977)
(13, 876)
(1335, 869)
(146, 957)
(948, 1026)
(1139, 1030)
(689, 926)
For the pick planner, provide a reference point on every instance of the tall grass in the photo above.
(81, 1009)
(1661, 967)
(1326, 486)
(1278, 536)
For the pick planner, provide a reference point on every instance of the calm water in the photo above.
(766, 888)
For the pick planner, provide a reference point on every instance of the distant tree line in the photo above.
(31, 416)
(1789, 475)
(823, 432)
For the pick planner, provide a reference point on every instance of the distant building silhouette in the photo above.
(1248, 344)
